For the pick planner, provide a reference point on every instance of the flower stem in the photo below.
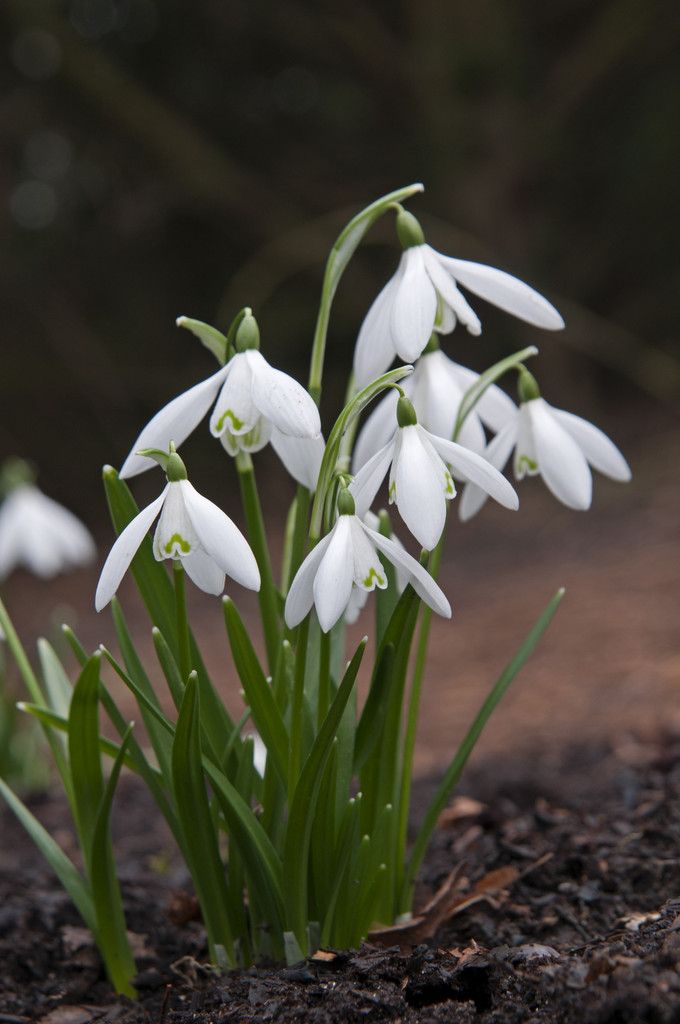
(297, 706)
(324, 693)
(268, 596)
(182, 620)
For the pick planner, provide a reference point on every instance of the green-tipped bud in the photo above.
(527, 386)
(346, 505)
(406, 414)
(409, 231)
(169, 461)
(247, 334)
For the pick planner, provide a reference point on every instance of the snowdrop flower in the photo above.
(423, 296)
(346, 558)
(38, 533)
(436, 389)
(359, 596)
(253, 404)
(190, 528)
(553, 444)
(420, 482)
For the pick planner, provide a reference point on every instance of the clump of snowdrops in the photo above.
(306, 846)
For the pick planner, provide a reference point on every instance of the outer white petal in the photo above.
(494, 408)
(497, 453)
(72, 541)
(600, 451)
(414, 307)
(220, 538)
(469, 466)
(561, 462)
(380, 425)
(174, 422)
(201, 568)
(367, 482)
(374, 350)
(282, 400)
(446, 288)
(235, 410)
(124, 550)
(417, 485)
(505, 291)
(421, 581)
(334, 577)
(301, 593)
(300, 455)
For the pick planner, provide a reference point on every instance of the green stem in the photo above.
(182, 620)
(268, 596)
(324, 692)
(297, 706)
(299, 534)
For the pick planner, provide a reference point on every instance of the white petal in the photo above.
(600, 451)
(436, 397)
(175, 535)
(254, 440)
(334, 577)
(379, 427)
(446, 319)
(124, 550)
(505, 291)
(368, 570)
(497, 453)
(446, 288)
(414, 307)
(201, 568)
(235, 410)
(561, 462)
(421, 581)
(10, 535)
(41, 534)
(494, 408)
(366, 483)
(300, 455)
(282, 400)
(374, 350)
(221, 538)
(418, 485)
(174, 422)
(301, 593)
(469, 466)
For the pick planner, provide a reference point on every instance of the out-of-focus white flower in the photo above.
(423, 296)
(346, 558)
(253, 403)
(41, 535)
(259, 753)
(555, 444)
(420, 482)
(436, 389)
(190, 528)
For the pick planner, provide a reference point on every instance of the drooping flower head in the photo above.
(423, 295)
(552, 443)
(347, 558)
(253, 404)
(190, 528)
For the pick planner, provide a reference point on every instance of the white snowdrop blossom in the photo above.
(41, 535)
(420, 481)
(556, 445)
(253, 404)
(424, 295)
(190, 528)
(347, 558)
(436, 389)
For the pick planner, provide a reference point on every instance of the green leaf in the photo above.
(108, 903)
(57, 683)
(354, 408)
(67, 874)
(169, 665)
(263, 707)
(454, 770)
(193, 809)
(485, 380)
(51, 718)
(84, 757)
(303, 805)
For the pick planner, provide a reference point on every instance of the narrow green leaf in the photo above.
(106, 895)
(57, 683)
(65, 871)
(454, 770)
(83, 750)
(51, 718)
(170, 670)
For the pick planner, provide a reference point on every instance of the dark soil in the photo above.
(586, 929)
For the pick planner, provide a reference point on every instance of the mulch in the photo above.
(553, 886)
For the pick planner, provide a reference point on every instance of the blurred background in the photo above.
(159, 158)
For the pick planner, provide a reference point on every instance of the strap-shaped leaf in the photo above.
(65, 871)
(83, 752)
(57, 683)
(51, 718)
(259, 695)
(167, 662)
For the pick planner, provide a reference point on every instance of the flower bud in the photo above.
(409, 231)
(346, 503)
(406, 414)
(247, 334)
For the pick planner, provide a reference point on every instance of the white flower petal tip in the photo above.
(41, 535)
(190, 528)
(346, 563)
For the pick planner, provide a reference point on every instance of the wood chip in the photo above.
(461, 807)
